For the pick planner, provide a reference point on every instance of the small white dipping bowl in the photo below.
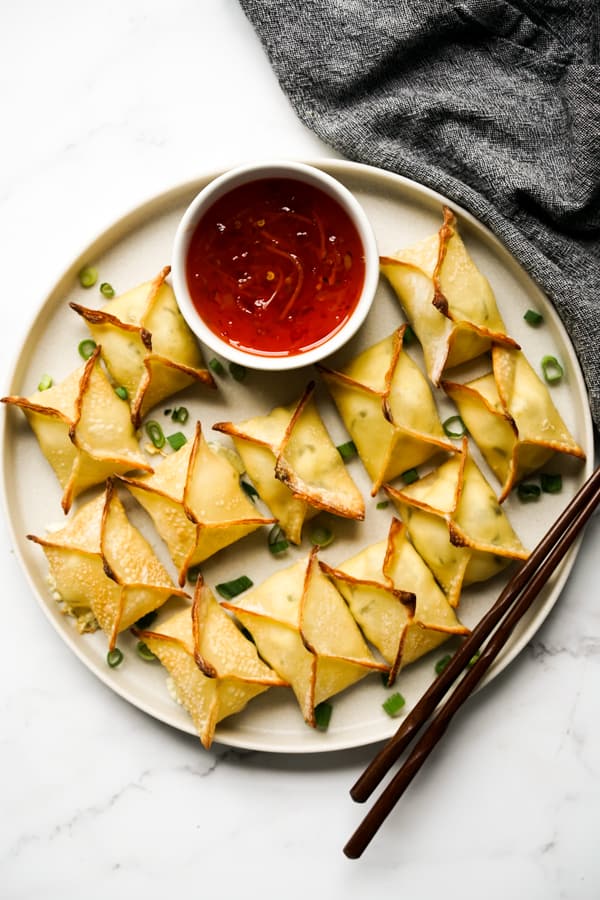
(254, 172)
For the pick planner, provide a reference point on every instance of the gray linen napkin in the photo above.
(495, 104)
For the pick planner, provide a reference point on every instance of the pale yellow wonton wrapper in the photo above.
(146, 344)
(295, 465)
(457, 525)
(388, 409)
(395, 599)
(100, 561)
(84, 429)
(512, 419)
(196, 502)
(448, 301)
(215, 669)
(304, 630)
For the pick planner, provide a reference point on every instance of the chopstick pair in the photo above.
(512, 604)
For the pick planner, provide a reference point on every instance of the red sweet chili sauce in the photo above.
(275, 267)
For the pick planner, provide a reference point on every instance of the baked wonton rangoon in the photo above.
(457, 525)
(84, 429)
(304, 630)
(512, 419)
(215, 669)
(146, 344)
(100, 562)
(294, 465)
(448, 301)
(388, 409)
(196, 502)
(395, 599)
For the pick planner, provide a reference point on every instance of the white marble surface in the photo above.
(102, 106)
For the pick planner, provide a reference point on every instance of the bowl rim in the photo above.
(218, 187)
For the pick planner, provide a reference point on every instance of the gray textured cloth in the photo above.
(495, 104)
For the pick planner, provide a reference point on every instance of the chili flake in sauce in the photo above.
(275, 267)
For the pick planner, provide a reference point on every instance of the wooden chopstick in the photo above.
(512, 604)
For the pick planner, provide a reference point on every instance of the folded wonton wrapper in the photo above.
(146, 343)
(457, 525)
(294, 465)
(196, 502)
(448, 301)
(100, 561)
(395, 599)
(512, 419)
(84, 429)
(304, 630)
(388, 410)
(215, 669)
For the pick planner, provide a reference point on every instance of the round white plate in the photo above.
(133, 250)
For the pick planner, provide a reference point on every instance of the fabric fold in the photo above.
(496, 105)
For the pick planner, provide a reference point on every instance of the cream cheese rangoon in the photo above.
(196, 503)
(511, 417)
(294, 465)
(449, 302)
(147, 346)
(100, 562)
(395, 600)
(304, 630)
(215, 669)
(84, 429)
(388, 409)
(456, 524)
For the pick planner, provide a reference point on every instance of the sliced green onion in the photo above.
(86, 348)
(238, 372)
(323, 715)
(230, 589)
(180, 414)
(409, 336)
(394, 704)
(45, 383)
(177, 440)
(168, 412)
(216, 366)
(551, 484)
(383, 504)
(248, 489)
(279, 547)
(88, 277)
(114, 658)
(442, 663)
(454, 427)
(122, 392)
(193, 574)
(155, 433)
(347, 450)
(144, 651)
(147, 620)
(107, 290)
(473, 659)
(533, 318)
(552, 369)
(321, 536)
(277, 540)
(528, 491)
(409, 476)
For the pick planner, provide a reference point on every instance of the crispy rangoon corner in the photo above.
(147, 345)
(215, 669)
